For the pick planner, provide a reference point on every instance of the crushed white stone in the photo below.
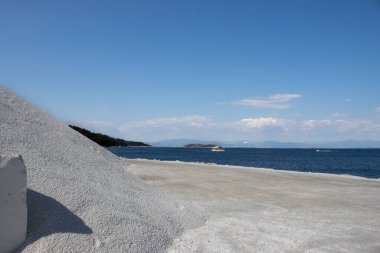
(81, 198)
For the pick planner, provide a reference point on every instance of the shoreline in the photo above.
(321, 174)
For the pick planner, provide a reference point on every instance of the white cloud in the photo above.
(340, 125)
(312, 124)
(261, 122)
(166, 128)
(276, 101)
(189, 121)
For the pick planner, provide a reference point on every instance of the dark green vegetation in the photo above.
(199, 145)
(105, 140)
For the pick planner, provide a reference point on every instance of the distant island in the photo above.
(105, 140)
(199, 146)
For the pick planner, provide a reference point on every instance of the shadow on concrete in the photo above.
(47, 216)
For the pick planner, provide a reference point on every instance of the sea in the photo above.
(356, 162)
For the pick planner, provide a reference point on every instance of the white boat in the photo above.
(322, 150)
(217, 149)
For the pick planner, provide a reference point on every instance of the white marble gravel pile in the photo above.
(81, 198)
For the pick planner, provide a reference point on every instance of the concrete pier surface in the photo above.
(263, 210)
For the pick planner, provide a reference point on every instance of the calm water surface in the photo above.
(357, 162)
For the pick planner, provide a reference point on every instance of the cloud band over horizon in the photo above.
(276, 101)
(255, 128)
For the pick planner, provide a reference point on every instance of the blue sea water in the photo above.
(357, 162)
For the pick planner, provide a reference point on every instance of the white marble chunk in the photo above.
(13, 209)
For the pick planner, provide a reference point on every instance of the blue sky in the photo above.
(306, 70)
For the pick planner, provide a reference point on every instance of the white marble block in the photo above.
(13, 210)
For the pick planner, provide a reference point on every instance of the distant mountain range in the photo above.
(181, 142)
(192, 145)
(270, 144)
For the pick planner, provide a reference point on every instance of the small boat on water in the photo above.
(217, 148)
(322, 150)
